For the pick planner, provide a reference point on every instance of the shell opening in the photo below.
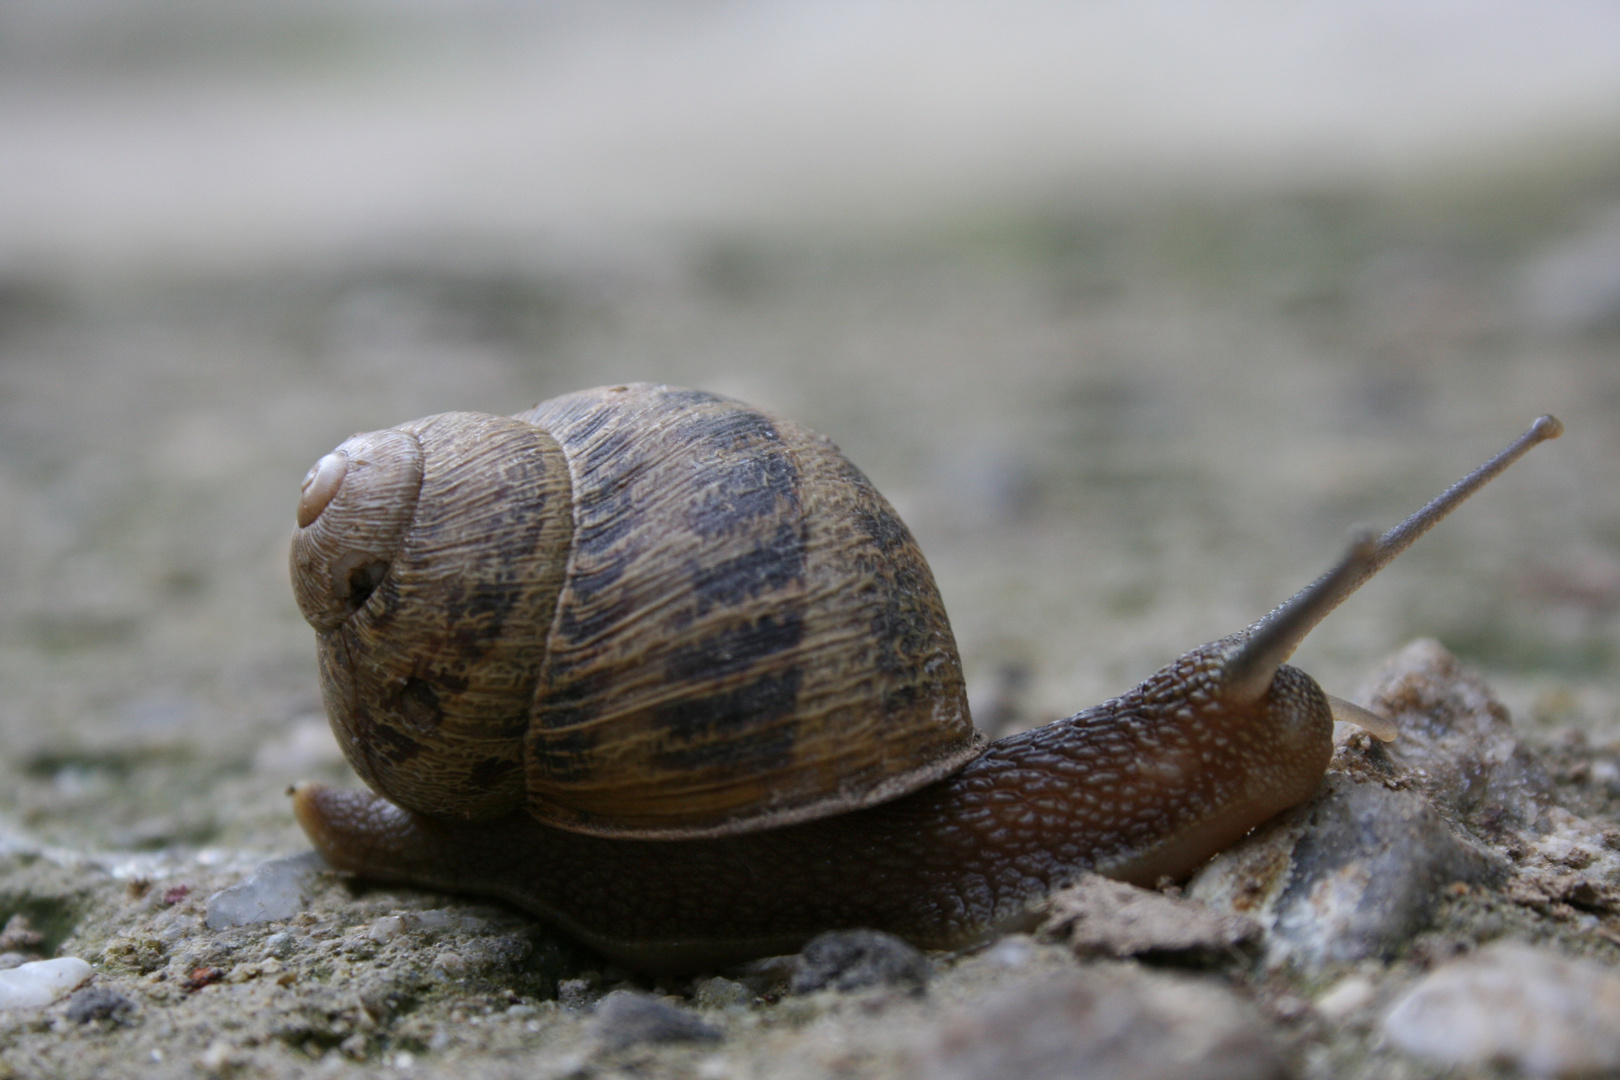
(357, 575)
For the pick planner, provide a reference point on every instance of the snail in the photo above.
(667, 671)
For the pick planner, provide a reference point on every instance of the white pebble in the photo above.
(37, 984)
(441, 921)
(276, 890)
(1013, 951)
(715, 1068)
(450, 965)
(1543, 1013)
(216, 1057)
(1345, 997)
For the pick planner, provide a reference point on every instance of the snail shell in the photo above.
(634, 611)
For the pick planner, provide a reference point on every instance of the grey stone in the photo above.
(1532, 1009)
(717, 992)
(1359, 869)
(19, 935)
(1457, 744)
(1458, 748)
(1353, 874)
(1111, 918)
(578, 994)
(629, 1017)
(1102, 1023)
(852, 959)
(281, 945)
(98, 1003)
(277, 889)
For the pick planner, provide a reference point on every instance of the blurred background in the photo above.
(1133, 309)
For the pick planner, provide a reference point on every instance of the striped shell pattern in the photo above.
(634, 611)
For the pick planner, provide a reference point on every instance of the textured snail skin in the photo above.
(1149, 784)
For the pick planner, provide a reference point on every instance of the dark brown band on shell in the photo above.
(748, 635)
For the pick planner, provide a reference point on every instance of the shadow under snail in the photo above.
(667, 671)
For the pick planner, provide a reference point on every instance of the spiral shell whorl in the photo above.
(635, 611)
(356, 505)
(429, 683)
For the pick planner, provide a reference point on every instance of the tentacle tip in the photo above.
(305, 789)
(306, 797)
(1546, 427)
(338, 821)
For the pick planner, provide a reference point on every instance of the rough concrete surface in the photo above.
(1121, 419)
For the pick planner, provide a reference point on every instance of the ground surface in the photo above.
(1117, 428)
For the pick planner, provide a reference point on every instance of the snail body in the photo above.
(668, 671)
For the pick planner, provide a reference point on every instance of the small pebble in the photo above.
(450, 965)
(1013, 952)
(1345, 997)
(714, 1068)
(98, 1003)
(722, 993)
(275, 890)
(442, 921)
(1352, 874)
(202, 976)
(1457, 743)
(628, 1017)
(1102, 1022)
(19, 935)
(576, 994)
(852, 959)
(1110, 918)
(1533, 1009)
(1568, 841)
(37, 984)
(280, 944)
(216, 1058)
(1289, 1008)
